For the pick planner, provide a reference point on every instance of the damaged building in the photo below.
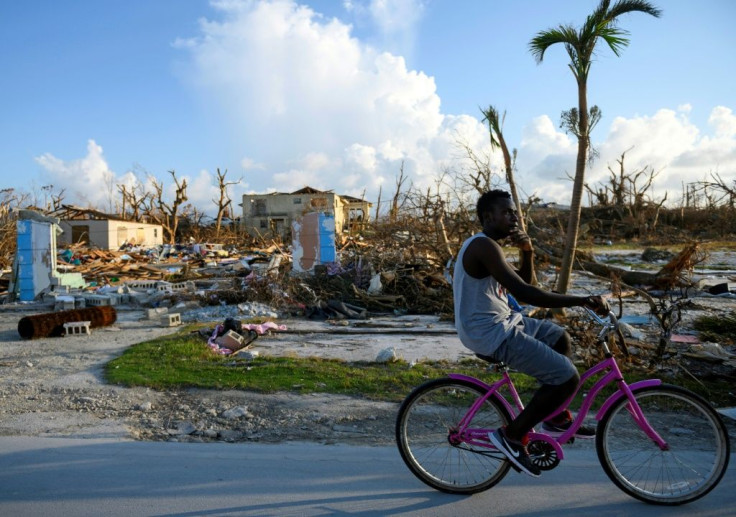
(104, 231)
(273, 214)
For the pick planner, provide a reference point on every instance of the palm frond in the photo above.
(490, 115)
(544, 39)
(615, 38)
(628, 6)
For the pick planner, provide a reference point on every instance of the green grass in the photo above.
(184, 361)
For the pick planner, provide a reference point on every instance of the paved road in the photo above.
(109, 477)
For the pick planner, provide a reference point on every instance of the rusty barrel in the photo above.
(52, 323)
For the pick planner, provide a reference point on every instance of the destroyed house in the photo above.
(273, 214)
(104, 231)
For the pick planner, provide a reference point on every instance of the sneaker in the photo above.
(556, 428)
(515, 452)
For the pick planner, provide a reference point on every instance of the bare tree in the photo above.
(398, 200)
(224, 200)
(629, 194)
(135, 200)
(165, 214)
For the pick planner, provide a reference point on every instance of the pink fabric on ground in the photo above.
(263, 328)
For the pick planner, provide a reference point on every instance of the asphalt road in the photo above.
(110, 477)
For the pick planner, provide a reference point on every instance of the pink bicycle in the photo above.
(657, 442)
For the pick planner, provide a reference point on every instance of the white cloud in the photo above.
(86, 181)
(249, 164)
(670, 143)
(307, 103)
(201, 190)
(723, 121)
(394, 16)
(666, 142)
(308, 96)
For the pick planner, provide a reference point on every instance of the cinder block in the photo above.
(142, 284)
(171, 320)
(164, 287)
(64, 303)
(231, 340)
(98, 301)
(76, 328)
(156, 312)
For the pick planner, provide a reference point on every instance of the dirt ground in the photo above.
(54, 387)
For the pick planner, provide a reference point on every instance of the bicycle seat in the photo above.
(489, 359)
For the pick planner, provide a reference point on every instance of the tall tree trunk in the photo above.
(573, 223)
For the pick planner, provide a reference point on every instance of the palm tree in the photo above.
(495, 129)
(580, 45)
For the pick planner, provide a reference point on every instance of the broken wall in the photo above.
(110, 234)
(313, 241)
(35, 257)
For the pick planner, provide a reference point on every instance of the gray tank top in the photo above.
(482, 315)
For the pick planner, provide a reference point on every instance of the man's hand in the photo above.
(521, 240)
(598, 305)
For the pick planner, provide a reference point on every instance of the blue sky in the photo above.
(338, 94)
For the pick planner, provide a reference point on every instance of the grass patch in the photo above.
(183, 361)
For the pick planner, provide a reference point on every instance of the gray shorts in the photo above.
(528, 349)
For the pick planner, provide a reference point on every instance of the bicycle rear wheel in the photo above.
(698, 443)
(426, 437)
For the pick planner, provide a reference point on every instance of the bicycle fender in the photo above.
(473, 380)
(485, 387)
(633, 387)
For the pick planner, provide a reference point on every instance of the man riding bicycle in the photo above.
(486, 324)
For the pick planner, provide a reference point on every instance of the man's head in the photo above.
(497, 213)
(489, 199)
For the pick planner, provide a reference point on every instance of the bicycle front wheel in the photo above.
(427, 437)
(697, 446)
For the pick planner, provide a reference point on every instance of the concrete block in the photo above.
(231, 340)
(64, 303)
(142, 284)
(76, 328)
(156, 313)
(171, 320)
(97, 300)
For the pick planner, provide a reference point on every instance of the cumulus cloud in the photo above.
(306, 102)
(293, 84)
(250, 164)
(666, 143)
(87, 181)
(669, 142)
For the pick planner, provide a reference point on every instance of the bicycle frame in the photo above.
(611, 373)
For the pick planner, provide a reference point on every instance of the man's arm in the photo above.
(526, 251)
(485, 257)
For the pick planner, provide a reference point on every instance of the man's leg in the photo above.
(542, 353)
(547, 398)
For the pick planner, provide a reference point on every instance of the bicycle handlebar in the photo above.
(612, 319)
